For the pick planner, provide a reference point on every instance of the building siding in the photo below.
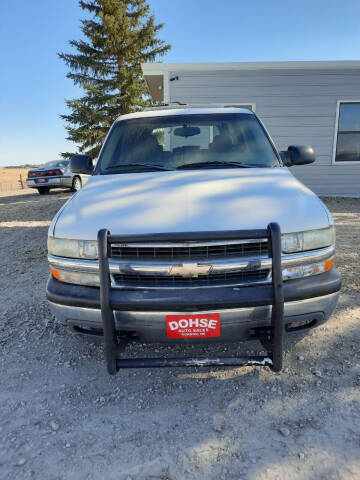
(297, 106)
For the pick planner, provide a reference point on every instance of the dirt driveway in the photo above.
(63, 417)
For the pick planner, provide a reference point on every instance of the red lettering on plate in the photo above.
(193, 326)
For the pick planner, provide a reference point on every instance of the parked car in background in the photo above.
(56, 174)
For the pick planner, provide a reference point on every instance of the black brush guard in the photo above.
(271, 340)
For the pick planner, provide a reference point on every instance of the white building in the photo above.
(301, 103)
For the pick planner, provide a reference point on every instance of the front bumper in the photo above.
(141, 314)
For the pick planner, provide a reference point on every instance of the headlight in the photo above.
(62, 247)
(78, 278)
(309, 240)
(290, 273)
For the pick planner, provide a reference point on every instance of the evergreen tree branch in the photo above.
(118, 36)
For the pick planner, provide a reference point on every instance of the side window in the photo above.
(347, 142)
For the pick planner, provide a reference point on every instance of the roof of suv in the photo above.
(167, 110)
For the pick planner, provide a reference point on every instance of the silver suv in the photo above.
(192, 229)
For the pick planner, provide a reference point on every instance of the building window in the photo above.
(347, 135)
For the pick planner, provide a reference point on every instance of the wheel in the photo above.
(43, 190)
(76, 184)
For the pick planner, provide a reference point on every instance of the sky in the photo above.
(33, 83)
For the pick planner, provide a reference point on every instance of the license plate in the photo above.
(206, 325)
(41, 180)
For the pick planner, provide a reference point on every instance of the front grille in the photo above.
(213, 279)
(244, 249)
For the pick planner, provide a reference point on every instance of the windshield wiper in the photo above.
(216, 163)
(144, 165)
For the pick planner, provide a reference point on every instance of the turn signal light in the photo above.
(307, 270)
(328, 264)
(55, 273)
(77, 278)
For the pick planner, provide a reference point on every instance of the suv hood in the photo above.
(196, 200)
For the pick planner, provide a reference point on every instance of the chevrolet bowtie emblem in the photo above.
(190, 270)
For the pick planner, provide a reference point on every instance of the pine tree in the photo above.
(118, 37)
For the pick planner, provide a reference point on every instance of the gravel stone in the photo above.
(284, 431)
(218, 422)
(54, 426)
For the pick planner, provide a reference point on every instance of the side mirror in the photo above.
(81, 164)
(297, 155)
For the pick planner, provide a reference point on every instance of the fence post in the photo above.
(21, 182)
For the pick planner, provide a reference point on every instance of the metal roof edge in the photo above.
(158, 68)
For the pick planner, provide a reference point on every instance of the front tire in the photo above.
(76, 184)
(43, 190)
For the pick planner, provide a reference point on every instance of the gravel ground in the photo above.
(63, 417)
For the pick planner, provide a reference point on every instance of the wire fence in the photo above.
(11, 186)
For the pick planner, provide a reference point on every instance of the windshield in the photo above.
(186, 141)
(57, 163)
